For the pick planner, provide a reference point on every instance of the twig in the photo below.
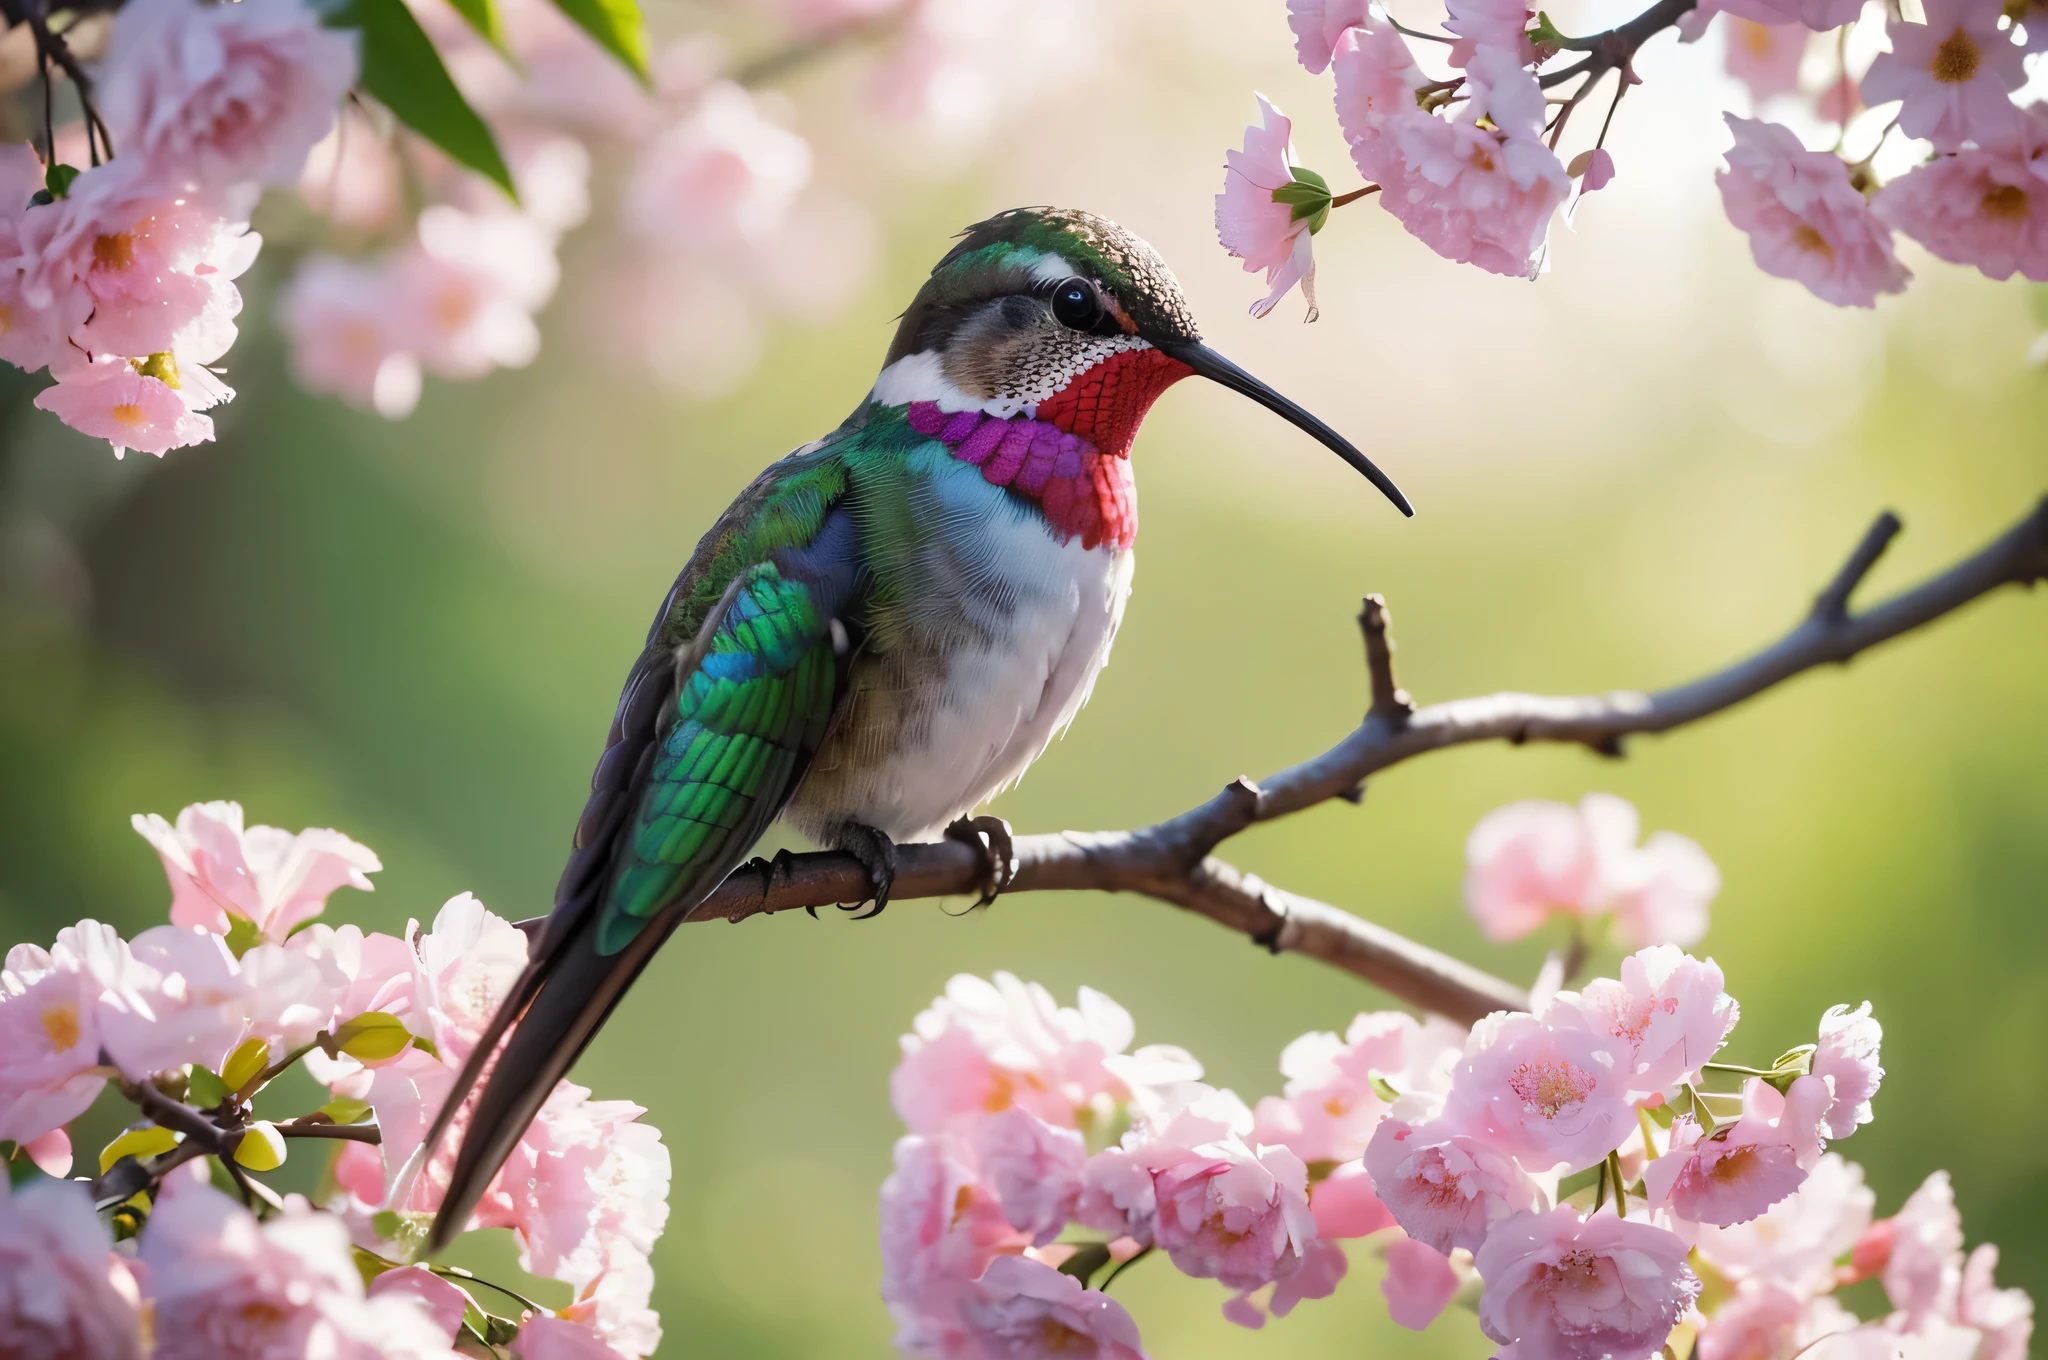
(1390, 703)
(354, 1133)
(1614, 48)
(1170, 861)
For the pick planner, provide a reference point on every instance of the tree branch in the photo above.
(1171, 860)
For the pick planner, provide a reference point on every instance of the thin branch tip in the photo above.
(1831, 606)
(1390, 702)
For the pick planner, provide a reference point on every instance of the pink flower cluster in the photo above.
(1478, 188)
(1466, 158)
(1530, 861)
(1041, 1152)
(246, 975)
(121, 283)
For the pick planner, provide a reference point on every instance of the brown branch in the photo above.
(1171, 860)
(355, 1133)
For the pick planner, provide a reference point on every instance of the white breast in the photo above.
(986, 707)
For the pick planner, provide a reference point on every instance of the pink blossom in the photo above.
(1190, 1185)
(543, 1337)
(1598, 172)
(1345, 1204)
(984, 1047)
(1033, 1169)
(343, 319)
(1253, 227)
(362, 972)
(155, 268)
(1499, 25)
(1418, 1284)
(1956, 73)
(1330, 1108)
(223, 94)
(1471, 195)
(462, 969)
(443, 1302)
(1986, 207)
(1376, 79)
(1734, 1174)
(64, 1294)
(1768, 1323)
(1320, 27)
(1529, 861)
(471, 282)
(180, 1000)
(49, 1029)
(1548, 1091)
(50, 1153)
(274, 880)
(1847, 1060)
(2004, 1316)
(1821, 16)
(1765, 57)
(1805, 220)
(1446, 1185)
(1026, 1310)
(588, 1191)
(1794, 1244)
(130, 411)
(940, 1227)
(724, 173)
(1923, 1274)
(1667, 1013)
(1559, 1287)
(352, 175)
(222, 1286)
(1323, 1267)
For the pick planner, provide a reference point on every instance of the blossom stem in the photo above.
(1649, 1133)
(355, 1133)
(272, 1072)
(1620, 1189)
(458, 1273)
(1110, 1278)
(1352, 197)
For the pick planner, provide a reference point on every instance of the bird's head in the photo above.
(1064, 315)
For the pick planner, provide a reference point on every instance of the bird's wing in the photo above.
(717, 723)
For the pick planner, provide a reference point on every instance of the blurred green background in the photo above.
(1631, 471)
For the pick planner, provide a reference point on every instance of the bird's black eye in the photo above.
(1075, 305)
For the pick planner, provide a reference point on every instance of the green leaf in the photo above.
(245, 1064)
(1579, 1180)
(57, 179)
(243, 935)
(387, 1224)
(1663, 1115)
(344, 1110)
(1304, 175)
(1384, 1089)
(483, 16)
(204, 1089)
(1296, 193)
(425, 1045)
(1086, 1260)
(373, 1036)
(138, 1141)
(404, 72)
(262, 1147)
(370, 1265)
(618, 28)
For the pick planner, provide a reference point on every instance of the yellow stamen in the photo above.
(2007, 201)
(113, 252)
(1811, 241)
(61, 1024)
(1955, 61)
(129, 414)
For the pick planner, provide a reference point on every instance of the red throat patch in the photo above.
(1106, 404)
(1073, 458)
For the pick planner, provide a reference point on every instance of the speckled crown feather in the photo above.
(994, 259)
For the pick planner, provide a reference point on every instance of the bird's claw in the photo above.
(877, 854)
(992, 837)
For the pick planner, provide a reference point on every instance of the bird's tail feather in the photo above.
(560, 1004)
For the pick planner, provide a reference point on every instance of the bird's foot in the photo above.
(877, 854)
(991, 836)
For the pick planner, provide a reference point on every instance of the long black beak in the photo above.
(1216, 368)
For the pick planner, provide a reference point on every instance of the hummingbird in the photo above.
(881, 633)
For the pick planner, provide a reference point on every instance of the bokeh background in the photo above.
(1633, 470)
